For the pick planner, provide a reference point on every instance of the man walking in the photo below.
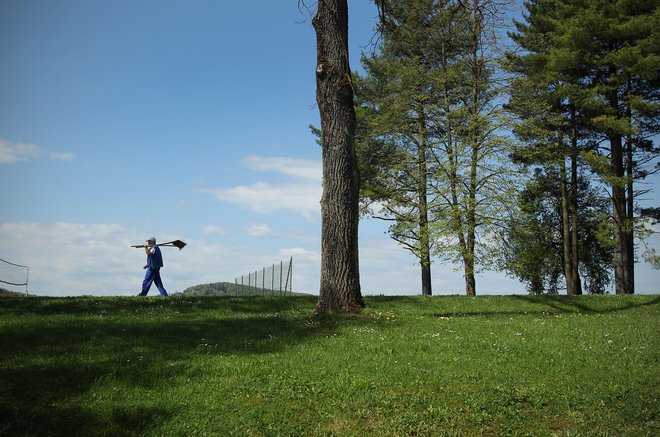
(154, 263)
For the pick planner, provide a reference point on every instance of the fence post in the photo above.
(291, 274)
(285, 284)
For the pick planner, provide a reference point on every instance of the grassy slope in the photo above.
(231, 289)
(261, 366)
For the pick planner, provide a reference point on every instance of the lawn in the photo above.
(514, 365)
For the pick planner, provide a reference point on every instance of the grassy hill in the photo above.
(231, 289)
(517, 365)
(7, 293)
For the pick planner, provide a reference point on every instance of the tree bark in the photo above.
(456, 219)
(566, 228)
(575, 247)
(629, 228)
(621, 260)
(623, 273)
(340, 276)
(476, 71)
(424, 233)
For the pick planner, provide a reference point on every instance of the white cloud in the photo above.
(214, 229)
(19, 152)
(62, 156)
(302, 195)
(68, 258)
(15, 152)
(300, 252)
(264, 197)
(259, 230)
(295, 168)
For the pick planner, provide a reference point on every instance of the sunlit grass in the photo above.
(261, 366)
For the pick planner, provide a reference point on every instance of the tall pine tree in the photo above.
(598, 60)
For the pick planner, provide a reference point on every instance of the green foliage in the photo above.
(232, 289)
(429, 141)
(517, 365)
(586, 88)
(213, 289)
(532, 243)
(601, 59)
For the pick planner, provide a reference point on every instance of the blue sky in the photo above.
(176, 119)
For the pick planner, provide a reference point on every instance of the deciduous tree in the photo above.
(340, 274)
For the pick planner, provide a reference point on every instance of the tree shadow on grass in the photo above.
(77, 306)
(41, 400)
(52, 366)
(591, 304)
(556, 305)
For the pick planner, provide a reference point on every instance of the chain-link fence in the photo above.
(13, 276)
(274, 280)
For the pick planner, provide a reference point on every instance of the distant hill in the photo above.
(7, 293)
(231, 289)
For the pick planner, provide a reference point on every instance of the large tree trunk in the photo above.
(623, 262)
(468, 269)
(340, 276)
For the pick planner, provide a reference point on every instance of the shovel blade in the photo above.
(178, 243)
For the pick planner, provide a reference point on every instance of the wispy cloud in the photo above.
(62, 156)
(301, 194)
(259, 230)
(11, 152)
(214, 229)
(295, 168)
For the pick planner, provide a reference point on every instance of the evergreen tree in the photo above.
(533, 242)
(548, 126)
(597, 61)
(601, 58)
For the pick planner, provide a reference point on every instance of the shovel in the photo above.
(176, 243)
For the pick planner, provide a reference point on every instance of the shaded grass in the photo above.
(518, 365)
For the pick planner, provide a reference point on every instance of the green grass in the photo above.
(516, 365)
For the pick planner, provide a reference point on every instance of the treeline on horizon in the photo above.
(231, 289)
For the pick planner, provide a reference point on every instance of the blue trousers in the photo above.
(150, 277)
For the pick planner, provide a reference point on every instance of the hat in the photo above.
(152, 239)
